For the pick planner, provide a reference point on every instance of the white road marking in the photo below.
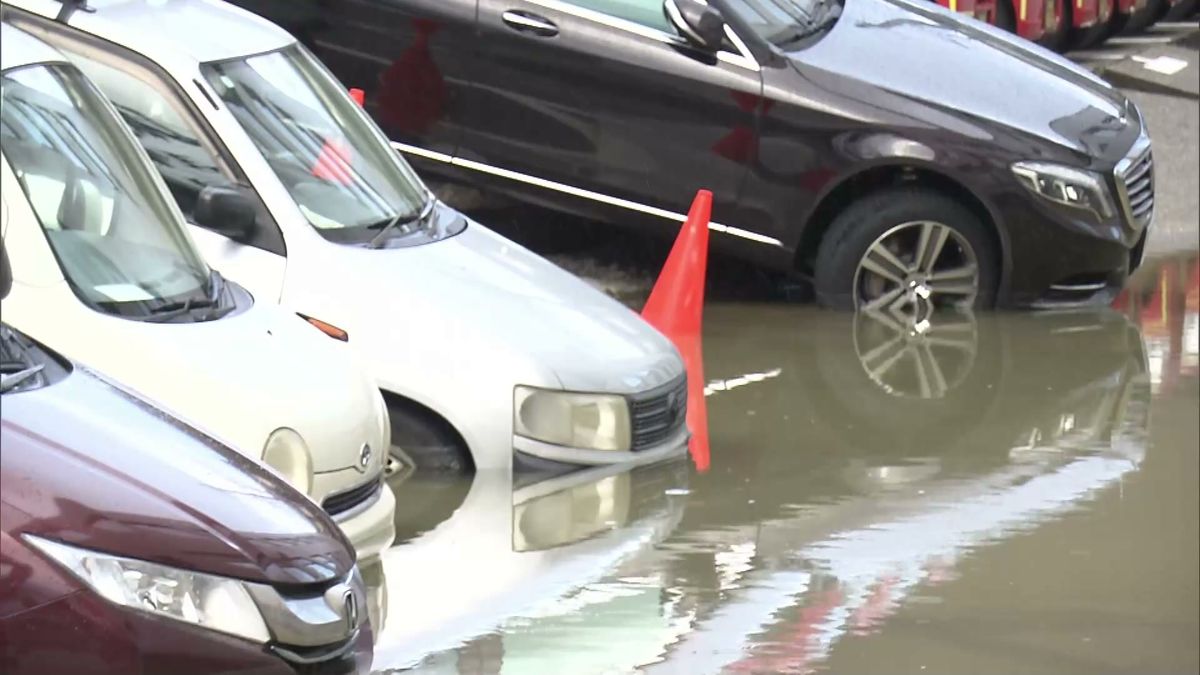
(1162, 64)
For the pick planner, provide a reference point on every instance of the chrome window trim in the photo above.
(579, 192)
(744, 59)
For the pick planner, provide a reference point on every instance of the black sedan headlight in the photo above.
(1067, 186)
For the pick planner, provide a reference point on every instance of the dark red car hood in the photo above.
(86, 464)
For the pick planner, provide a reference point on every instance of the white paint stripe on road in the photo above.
(1096, 56)
(1140, 40)
(1180, 26)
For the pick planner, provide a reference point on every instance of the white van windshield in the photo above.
(340, 170)
(118, 241)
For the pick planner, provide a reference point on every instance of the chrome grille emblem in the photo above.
(364, 457)
(350, 605)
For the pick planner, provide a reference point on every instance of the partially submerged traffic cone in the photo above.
(676, 308)
(676, 305)
(690, 348)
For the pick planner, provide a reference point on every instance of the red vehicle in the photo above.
(131, 544)
(1056, 24)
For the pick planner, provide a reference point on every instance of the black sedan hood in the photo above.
(919, 51)
(89, 465)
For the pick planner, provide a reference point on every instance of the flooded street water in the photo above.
(993, 494)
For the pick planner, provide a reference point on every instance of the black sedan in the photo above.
(891, 151)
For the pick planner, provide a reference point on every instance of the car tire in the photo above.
(1056, 39)
(1005, 17)
(1181, 10)
(424, 440)
(1085, 38)
(865, 222)
(1132, 24)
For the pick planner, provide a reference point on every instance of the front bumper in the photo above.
(673, 446)
(373, 529)
(83, 633)
(1054, 261)
(1060, 268)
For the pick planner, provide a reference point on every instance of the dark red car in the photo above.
(131, 544)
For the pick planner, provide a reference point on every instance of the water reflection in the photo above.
(854, 464)
(1164, 299)
(514, 550)
(857, 488)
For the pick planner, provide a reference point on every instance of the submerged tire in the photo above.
(869, 257)
(421, 438)
(1181, 10)
(1006, 17)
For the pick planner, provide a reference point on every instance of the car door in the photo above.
(410, 58)
(602, 99)
(187, 156)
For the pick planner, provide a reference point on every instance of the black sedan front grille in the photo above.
(1139, 189)
(348, 500)
(658, 414)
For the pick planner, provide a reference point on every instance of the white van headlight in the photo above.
(287, 453)
(213, 602)
(591, 421)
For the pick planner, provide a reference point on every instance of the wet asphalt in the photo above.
(1002, 493)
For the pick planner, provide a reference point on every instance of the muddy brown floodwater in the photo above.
(971, 494)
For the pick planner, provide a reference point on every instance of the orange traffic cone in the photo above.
(676, 308)
(676, 305)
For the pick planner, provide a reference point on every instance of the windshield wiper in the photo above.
(11, 381)
(16, 364)
(216, 291)
(401, 220)
(174, 310)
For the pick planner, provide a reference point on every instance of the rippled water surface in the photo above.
(984, 494)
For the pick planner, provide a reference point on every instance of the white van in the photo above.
(487, 353)
(108, 276)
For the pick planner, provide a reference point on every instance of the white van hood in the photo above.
(238, 378)
(489, 298)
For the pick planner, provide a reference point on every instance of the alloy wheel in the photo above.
(919, 262)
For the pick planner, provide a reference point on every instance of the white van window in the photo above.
(120, 243)
(339, 168)
(185, 163)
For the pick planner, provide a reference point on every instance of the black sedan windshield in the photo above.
(784, 21)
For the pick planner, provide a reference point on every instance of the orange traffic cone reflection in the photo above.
(697, 412)
(676, 308)
(333, 162)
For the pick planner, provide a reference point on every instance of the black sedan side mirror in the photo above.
(701, 24)
(225, 211)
